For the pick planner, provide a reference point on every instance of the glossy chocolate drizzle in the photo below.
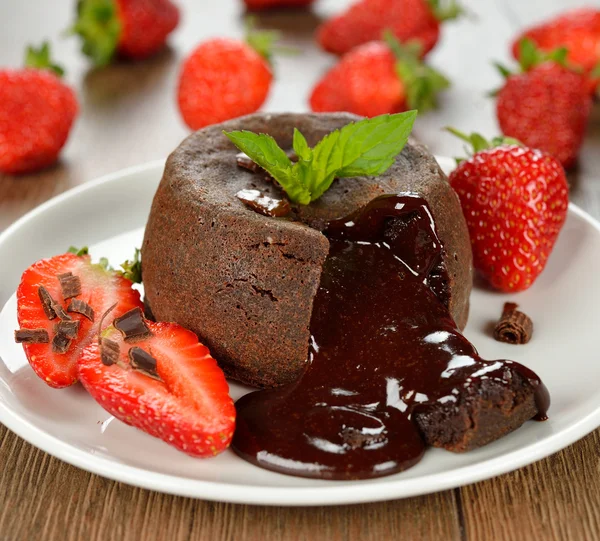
(383, 347)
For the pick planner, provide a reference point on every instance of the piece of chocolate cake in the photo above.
(245, 282)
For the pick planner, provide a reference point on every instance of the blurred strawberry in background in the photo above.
(578, 31)
(134, 29)
(37, 111)
(366, 20)
(225, 78)
(256, 5)
(547, 106)
(378, 78)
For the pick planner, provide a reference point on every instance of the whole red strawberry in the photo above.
(257, 5)
(546, 107)
(576, 30)
(225, 78)
(515, 202)
(37, 111)
(378, 78)
(366, 20)
(133, 29)
(163, 382)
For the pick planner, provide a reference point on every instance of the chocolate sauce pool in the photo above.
(382, 347)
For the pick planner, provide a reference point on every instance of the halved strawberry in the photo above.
(100, 289)
(165, 383)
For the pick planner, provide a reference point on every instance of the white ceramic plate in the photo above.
(109, 215)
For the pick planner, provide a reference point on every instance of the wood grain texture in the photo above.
(129, 116)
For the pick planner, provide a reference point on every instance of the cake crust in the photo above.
(244, 282)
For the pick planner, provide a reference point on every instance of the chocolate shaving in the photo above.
(108, 311)
(61, 343)
(143, 362)
(70, 285)
(81, 307)
(132, 325)
(60, 312)
(68, 328)
(32, 336)
(514, 326)
(109, 351)
(47, 302)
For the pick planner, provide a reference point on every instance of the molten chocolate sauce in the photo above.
(382, 346)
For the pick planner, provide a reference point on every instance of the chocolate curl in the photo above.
(514, 326)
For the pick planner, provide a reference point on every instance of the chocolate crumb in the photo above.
(132, 325)
(263, 204)
(70, 285)
(47, 302)
(81, 307)
(243, 160)
(514, 326)
(68, 328)
(143, 362)
(109, 351)
(61, 343)
(32, 336)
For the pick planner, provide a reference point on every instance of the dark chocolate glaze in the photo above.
(382, 347)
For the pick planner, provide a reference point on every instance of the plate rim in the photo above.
(344, 493)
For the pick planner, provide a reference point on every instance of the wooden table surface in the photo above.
(129, 116)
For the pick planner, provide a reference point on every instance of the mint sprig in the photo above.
(365, 148)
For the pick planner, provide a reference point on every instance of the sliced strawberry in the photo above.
(100, 289)
(185, 401)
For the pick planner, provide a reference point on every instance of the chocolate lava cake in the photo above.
(347, 310)
(244, 282)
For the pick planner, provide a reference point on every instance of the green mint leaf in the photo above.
(301, 147)
(78, 251)
(132, 268)
(365, 148)
(263, 150)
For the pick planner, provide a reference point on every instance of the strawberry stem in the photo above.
(422, 83)
(99, 28)
(40, 59)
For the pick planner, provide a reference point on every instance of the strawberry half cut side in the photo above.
(63, 299)
(163, 381)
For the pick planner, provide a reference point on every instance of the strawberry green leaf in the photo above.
(595, 71)
(445, 10)
(40, 59)
(99, 28)
(364, 148)
(132, 268)
(78, 251)
(477, 142)
(422, 83)
(262, 41)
